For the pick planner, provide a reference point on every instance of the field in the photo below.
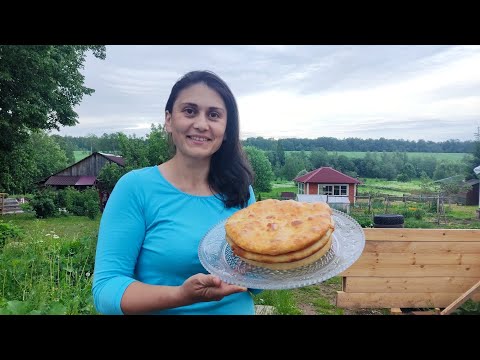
(411, 155)
(80, 154)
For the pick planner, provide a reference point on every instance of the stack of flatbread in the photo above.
(281, 235)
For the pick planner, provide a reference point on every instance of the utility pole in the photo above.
(477, 134)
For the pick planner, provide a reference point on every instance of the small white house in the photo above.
(341, 203)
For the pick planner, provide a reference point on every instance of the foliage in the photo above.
(40, 86)
(262, 169)
(470, 307)
(473, 162)
(43, 203)
(294, 164)
(80, 203)
(49, 270)
(36, 158)
(361, 145)
(8, 231)
(282, 300)
(109, 175)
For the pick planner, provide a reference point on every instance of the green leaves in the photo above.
(39, 87)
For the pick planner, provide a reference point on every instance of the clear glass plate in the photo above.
(218, 259)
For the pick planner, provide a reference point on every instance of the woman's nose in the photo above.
(201, 122)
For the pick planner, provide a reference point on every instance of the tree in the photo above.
(158, 149)
(109, 175)
(280, 153)
(262, 169)
(39, 87)
(475, 161)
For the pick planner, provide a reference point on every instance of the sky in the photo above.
(408, 92)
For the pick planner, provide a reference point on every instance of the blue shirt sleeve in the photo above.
(120, 237)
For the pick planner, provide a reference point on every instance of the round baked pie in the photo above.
(281, 234)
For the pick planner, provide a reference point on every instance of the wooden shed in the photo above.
(83, 173)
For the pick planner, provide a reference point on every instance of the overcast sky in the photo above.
(406, 92)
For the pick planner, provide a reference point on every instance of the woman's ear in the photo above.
(168, 121)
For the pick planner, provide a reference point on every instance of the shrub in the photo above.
(43, 204)
(8, 231)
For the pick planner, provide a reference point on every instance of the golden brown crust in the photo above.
(283, 258)
(274, 227)
(294, 264)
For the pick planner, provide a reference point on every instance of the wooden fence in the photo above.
(9, 205)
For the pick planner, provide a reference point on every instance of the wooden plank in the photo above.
(407, 234)
(400, 300)
(413, 258)
(441, 284)
(396, 311)
(437, 247)
(397, 270)
(461, 299)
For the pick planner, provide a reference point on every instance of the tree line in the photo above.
(42, 154)
(363, 145)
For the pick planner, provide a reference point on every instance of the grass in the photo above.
(396, 188)
(282, 300)
(47, 268)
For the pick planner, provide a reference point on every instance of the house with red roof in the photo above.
(328, 185)
(83, 173)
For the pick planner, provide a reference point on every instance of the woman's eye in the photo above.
(189, 111)
(214, 115)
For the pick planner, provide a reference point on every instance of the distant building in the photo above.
(467, 197)
(328, 185)
(83, 173)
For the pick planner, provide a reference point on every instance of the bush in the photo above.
(43, 204)
(82, 203)
(8, 231)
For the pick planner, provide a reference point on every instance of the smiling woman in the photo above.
(147, 251)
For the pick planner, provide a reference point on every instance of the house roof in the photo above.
(451, 179)
(330, 199)
(472, 182)
(326, 175)
(71, 180)
(115, 158)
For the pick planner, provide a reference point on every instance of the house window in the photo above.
(301, 188)
(339, 190)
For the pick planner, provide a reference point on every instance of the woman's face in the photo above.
(198, 121)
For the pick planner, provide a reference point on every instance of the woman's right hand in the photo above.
(202, 288)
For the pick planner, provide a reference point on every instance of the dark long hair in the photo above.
(230, 173)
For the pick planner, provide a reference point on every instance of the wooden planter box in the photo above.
(412, 268)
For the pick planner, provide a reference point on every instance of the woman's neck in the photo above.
(187, 175)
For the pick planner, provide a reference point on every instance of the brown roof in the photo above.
(115, 158)
(71, 180)
(326, 175)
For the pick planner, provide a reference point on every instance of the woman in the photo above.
(147, 252)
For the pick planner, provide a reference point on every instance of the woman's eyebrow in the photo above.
(189, 104)
(210, 108)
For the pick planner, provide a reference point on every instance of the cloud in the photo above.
(410, 92)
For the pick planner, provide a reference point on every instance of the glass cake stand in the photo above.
(216, 256)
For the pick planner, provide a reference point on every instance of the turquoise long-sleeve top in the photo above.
(150, 232)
